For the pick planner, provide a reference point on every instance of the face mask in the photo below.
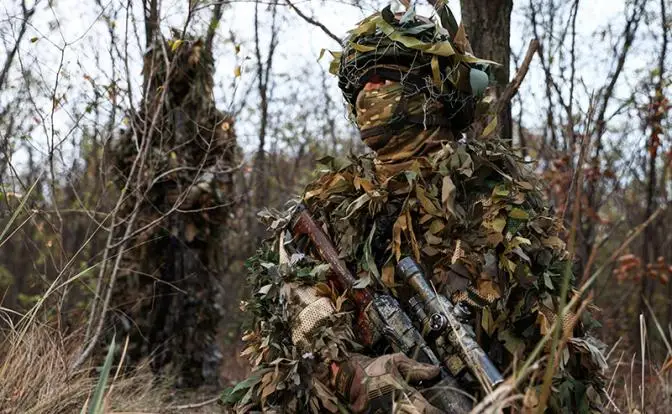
(391, 123)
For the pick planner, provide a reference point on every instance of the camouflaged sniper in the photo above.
(465, 208)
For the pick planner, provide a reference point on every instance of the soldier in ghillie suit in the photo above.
(460, 204)
(169, 294)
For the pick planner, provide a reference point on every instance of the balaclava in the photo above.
(433, 83)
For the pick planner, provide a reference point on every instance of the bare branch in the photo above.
(27, 14)
(313, 22)
(514, 85)
(214, 22)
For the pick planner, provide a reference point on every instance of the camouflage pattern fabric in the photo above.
(370, 385)
(376, 110)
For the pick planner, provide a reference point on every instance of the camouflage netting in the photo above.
(466, 208)
(169, 294)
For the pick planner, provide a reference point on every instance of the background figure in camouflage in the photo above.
(461, 205)
(175, 263)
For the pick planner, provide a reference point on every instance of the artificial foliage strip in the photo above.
(475, 218)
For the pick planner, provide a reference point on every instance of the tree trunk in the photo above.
(488, 26)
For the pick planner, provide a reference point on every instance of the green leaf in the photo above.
(362, 48)
(498, 224)
(174, 44)
(438, 48)
(487, 321)
(547, 281)
(367, 26)
(490, 128)
(320, 271)
(519, 214)
(500, 191)
(99, 393)
(234, 394)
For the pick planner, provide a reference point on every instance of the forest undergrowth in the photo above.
(35, 361)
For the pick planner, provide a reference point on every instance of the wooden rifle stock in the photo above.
(382, 311)
(303, 224)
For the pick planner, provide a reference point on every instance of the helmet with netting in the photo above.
(425, 57)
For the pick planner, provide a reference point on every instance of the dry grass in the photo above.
(36, 379)
(34, 368)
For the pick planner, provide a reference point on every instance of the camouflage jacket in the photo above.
(476, 219)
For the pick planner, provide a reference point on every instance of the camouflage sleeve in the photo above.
(294, 331)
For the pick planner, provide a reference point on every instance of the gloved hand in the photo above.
(381, 385)
(307, 310)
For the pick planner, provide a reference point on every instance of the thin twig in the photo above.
(27, 14)
(214, 22)
(195, 405)
(138, 163)
(313, 22)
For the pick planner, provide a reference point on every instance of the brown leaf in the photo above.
(525, 185)
(437, 226)
(432, 239)
(340, 301)
(399, 226)
(544, 324)
(424, 219)
(411, 233)
(338, 183)
(268, 390)
(554, 242)
(363, 184)
(490, 128)
(448, 195)
(488, 289)
(313, 193)
(190, 232)
(388, 274)
(487, 321)
(531, 401)
(460, 40)
(426, 201)
(322, 289)
(493, 239)
(667, 365)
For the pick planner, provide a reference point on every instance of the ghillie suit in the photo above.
(169, 297)
(464, 207)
